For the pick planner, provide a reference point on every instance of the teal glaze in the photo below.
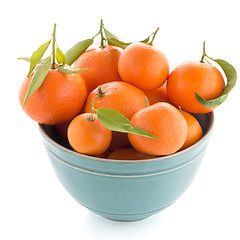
(126, 190)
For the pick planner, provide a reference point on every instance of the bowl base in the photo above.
(127, 217)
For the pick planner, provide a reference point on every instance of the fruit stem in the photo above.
(53, 46)
(179, 108)
(154, 35)
(204, 53)
(100, 92)
(102, 37)
(91, 118)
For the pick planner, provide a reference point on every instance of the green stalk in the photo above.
(204, 53)
(91, 118)
(53, 47)
(154, 35)
(102, 36)
(146, 102)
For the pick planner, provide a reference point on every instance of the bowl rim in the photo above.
(115, 161)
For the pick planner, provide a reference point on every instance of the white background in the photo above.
(33, 204)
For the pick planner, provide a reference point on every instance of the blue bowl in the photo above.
(126, 190)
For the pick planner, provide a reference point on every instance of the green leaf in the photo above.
(38, 78)
(116, 42)
(141, 132)
(116, 121)
(231, 76)
(64, 70)
(37, 55)
(28, 59)
(147, 39)
(73, 53)
(60, 56)
(113, 119)
(109, 34)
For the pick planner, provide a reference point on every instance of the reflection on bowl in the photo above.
(126, 190)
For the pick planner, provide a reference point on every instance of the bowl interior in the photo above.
(205, 120)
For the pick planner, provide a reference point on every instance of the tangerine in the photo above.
(101, 64)
(128, 154)
(119, 140)
(191, 77)
(143, 65)
(120, 96)
(158, 95)
(194, 130)
(59, 99)
(87, 135)
(163, 121)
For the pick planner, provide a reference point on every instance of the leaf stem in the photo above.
(154, 35)
(102, 36)
(96, 35)
(204, 53)
(53, 47)
(91, 118)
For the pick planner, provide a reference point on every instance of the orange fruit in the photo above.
(59, 99)
(120, 96)
(102, 64)
(88, 136)
(163, 121)
(191, 77)
(119, 140)
(194, 130)
(128, 154)
(103, 155)
(143, 65)
(158, 95)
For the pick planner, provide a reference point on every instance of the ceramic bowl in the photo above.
(126, 190)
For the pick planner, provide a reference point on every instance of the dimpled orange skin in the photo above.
(144, 66)
(194, 130)
(163, 121)
(191, 77)
(88, 137)
(158, 95)
(59, 99)
(102, 64)
(120, 96)
(128, 154)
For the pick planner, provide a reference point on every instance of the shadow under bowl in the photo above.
(123, 190)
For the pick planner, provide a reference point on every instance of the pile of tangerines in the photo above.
(118, 100)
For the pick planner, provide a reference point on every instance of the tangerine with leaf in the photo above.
(102, 64)
(198, 87)
(52, 92)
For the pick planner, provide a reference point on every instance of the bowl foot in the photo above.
(125, 217)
